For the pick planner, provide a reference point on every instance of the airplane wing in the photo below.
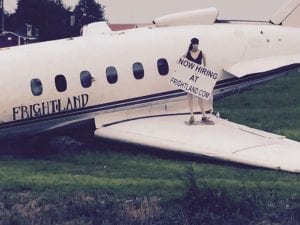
(225, 140)
(263, 65)
(287, 14)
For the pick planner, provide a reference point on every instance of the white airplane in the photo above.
(120, 82)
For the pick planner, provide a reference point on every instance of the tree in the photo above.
(52, 19)
(87, 11)
(48, 16)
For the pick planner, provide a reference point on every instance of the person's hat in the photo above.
(195, 41)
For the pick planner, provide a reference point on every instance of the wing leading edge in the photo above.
(225, 141)
(263, 65)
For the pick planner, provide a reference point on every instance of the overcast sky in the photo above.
(139, 11)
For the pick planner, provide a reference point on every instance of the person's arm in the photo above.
(184, 56)
(204, 59)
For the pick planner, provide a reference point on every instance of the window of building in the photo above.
(138, 70)
(163, 67)
(86, 79)
(60, 83)
(111, 75)
(36, 87)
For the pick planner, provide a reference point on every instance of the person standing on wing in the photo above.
(196, 56)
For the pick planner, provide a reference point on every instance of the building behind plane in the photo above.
(8, 39)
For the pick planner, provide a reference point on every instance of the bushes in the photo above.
(199, 204)
(79, 208)
(203, 204)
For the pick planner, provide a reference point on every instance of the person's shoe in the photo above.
(192, 120)
(207, 120)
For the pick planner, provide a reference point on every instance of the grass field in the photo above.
(102, 182)
(273, 107)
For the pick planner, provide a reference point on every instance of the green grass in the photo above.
(273, 107)
(126, 174)
(103, 182)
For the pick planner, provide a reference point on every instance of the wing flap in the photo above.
(263, 65)
(225, 140)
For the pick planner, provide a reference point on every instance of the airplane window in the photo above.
(86, 79)
(111, 75)
(36, 87)
(163, 67)
(60, 83)
(138, 70)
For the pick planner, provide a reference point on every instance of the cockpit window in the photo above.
(162, 66)
(36, 87)
(60, 83)
(138, 70)
(86, 79)
(111, 75)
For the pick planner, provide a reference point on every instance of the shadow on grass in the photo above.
(45, 147)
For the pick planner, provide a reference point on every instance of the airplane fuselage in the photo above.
(47, 84)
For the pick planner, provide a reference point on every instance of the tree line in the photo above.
(50, 19)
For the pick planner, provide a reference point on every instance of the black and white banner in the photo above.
(194, 78)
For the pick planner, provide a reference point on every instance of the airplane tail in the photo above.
(288, 15)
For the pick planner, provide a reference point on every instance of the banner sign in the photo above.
(194, 78)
